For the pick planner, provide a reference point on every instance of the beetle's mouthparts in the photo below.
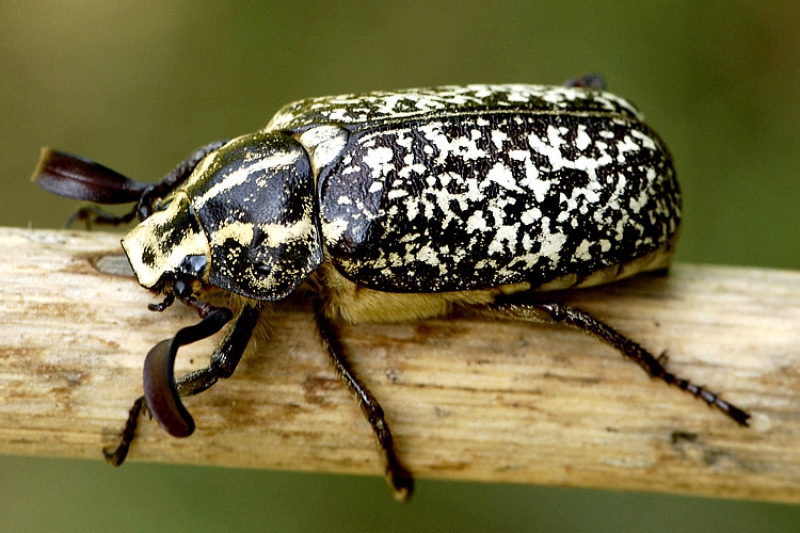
(160, 389)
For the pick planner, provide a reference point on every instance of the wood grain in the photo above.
(467, 398)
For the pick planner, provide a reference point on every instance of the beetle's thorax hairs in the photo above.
(344, 299)
(348, 301)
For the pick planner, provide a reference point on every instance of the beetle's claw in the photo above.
(401, 482)
(734, 412)
(116, 456)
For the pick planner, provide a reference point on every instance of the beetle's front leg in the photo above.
(511, 307)
(397, 476)
(227, 355)
(164, 391)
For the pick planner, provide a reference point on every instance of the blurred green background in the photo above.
(139, 85)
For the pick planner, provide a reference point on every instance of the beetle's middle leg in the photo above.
(512, 307)
(223, 363)
(399, 479)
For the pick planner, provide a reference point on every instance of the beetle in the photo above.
(395, 206)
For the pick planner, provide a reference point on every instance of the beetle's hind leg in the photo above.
(511, 307)
(223, 363)
(397, 476)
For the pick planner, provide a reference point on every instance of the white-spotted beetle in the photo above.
(395, 206)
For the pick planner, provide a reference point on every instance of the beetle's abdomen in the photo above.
(475, 201)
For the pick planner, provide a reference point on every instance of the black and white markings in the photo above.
(433, 190)
(254, 198)
(436, 190)
(490, 199)
(375, 108)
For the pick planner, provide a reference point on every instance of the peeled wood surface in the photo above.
(466, 398)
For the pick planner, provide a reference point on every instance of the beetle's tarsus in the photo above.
(116, 456)
(160, 307)
(699, 391)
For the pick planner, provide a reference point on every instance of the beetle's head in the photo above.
(169, 245)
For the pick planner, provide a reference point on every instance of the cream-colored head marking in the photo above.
(163, 242)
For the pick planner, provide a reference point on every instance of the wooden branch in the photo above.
(467, 398)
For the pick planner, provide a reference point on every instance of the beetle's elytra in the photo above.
(396, 206)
